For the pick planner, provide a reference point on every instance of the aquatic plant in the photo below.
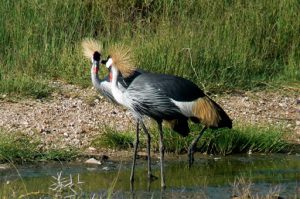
(65, 187)
(242, 189)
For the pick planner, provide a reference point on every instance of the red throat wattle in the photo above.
(95, 69)
(110, 76)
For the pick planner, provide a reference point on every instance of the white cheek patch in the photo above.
(109, 63)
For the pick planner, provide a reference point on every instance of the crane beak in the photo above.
(109, 63)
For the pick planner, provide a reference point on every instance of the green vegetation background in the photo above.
(217, 44)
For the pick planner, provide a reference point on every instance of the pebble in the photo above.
(3, 166)
(105, 168)
(92, 149)
(93, 161)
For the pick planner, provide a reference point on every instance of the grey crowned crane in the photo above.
(92, 50)
(163, 97)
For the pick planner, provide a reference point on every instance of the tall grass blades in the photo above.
(244, 139)
(217, 44)
(241, 139)
(113, 139)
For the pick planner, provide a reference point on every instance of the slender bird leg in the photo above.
(135, 153)
(192, 147)
(162, 151)
(150, 176)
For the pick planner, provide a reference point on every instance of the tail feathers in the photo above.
(225, 120)
(211, 114)
(180, 126)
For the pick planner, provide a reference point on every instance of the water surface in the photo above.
(210, 176)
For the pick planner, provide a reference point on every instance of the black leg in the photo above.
(150, 177)
(192, 147)
(162, 151)
(135, 153)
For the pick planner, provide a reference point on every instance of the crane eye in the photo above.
(96, 56)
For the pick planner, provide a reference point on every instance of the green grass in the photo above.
(19, 148)
(217, 44)
(24, 85)
(110, 138)
(241, 139)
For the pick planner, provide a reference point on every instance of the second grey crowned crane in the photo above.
(163, 97)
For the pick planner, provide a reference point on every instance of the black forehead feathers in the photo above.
(96, 56)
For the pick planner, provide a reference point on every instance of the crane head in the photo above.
(122, 59)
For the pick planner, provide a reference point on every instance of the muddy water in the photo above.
(210, 176)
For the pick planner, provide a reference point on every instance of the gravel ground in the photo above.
(72, 116)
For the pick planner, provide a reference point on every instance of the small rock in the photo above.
(105, 168)
(93, 161)
(282, 104)
(249, 152)
(3, 166)
(92, 149)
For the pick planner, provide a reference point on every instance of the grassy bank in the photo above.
(241, 139)
(217, 44)
(19, 148)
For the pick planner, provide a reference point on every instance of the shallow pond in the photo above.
(210, 176)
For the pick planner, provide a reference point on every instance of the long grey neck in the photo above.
(95, 78)
(117, 93)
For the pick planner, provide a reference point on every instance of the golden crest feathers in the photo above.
(89, 46)
(123, 59)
